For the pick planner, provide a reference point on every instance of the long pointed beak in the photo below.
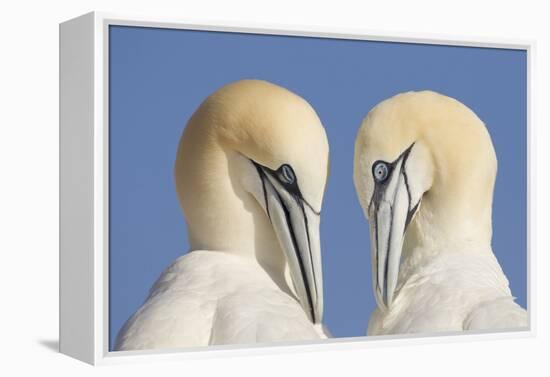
(296, 225)
(390, 215)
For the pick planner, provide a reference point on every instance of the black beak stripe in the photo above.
(296, 195)
(263, 178)
(298, 257)
(378, 194)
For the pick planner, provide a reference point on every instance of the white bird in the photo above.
(250, 174)
(424, 172)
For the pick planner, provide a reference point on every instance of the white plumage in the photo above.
(252, 198)
(209, 297)
(450, 290)
(425, 169)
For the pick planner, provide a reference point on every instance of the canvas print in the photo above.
(269, 189)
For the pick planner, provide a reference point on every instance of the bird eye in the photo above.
(286, 174)
(380, 171)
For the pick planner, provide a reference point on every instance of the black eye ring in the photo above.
(286, 174)
(380, 171)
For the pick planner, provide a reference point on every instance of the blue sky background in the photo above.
(158, 77)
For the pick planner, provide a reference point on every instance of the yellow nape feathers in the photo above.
(459, 154)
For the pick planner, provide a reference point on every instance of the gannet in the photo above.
(250, 175)
(424, 173)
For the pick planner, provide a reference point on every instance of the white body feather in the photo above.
(430, 212)
(453, 290)
(261, 281)
(209, 297)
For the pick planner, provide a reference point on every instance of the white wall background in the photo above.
(29, 183)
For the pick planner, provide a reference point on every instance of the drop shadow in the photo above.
(52, 345)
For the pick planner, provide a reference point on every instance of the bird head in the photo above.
(424, 173)
(274, 149)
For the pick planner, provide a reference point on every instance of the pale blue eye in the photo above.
(286, 174)
(380, 171)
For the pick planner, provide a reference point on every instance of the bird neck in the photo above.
(220, 214)
(448, 226)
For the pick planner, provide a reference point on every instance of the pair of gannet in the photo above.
(424, 172)
(250, 174)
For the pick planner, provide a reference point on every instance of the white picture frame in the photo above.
(84, 200)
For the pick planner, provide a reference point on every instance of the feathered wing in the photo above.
(454, 291)
(176, 313)
(260, 316)
(207, 298)
(500, 313)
